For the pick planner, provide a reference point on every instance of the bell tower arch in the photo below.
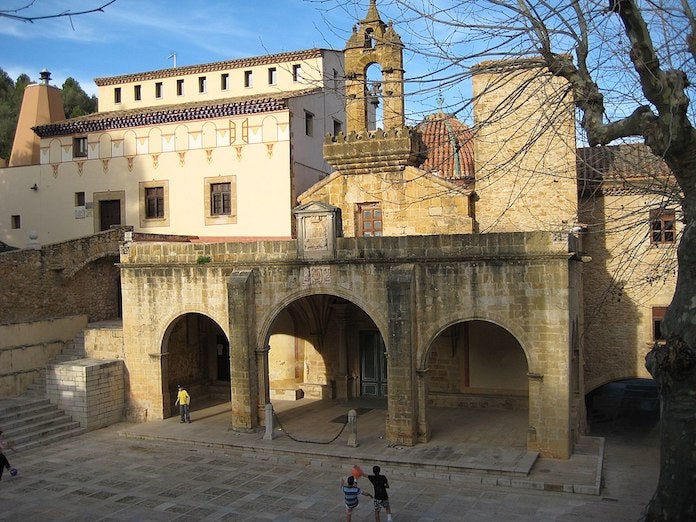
(374, 42)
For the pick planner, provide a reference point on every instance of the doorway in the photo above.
(373, 365)
(109, 213)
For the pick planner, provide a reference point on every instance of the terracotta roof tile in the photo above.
(450, 147)
(103, 121)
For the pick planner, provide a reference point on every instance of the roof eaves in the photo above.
(211, 67)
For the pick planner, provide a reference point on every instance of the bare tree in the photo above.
(23, 13)
(627, 63)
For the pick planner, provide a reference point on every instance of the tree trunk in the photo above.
(673, 366)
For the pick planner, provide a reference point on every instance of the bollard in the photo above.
(353, 428)
(269, 422)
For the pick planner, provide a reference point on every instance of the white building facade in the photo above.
(218, 150)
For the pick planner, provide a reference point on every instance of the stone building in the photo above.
(630, 204)
(433, 267)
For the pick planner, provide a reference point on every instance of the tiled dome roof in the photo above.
(450, 147)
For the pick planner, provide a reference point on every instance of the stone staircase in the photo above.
(31, 420)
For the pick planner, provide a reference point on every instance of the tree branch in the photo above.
(32, 19)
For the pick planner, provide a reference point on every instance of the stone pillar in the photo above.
(401, 426)
(342, 374)
(243, 375)
(268, 421)
(264, 394)
(423, 423)
(535, 411)
(353, 428)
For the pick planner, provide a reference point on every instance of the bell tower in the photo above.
(374, 42)
(362, 150)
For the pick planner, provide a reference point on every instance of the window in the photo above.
(137, 93)
(369, 219)
(658, 314)
(201, 84)
(117, 95)
(337, 127)
(296, 72)
(16, 222)
(154, 203)
(224, 81)
(220, 200)
(80, 147)
(662, 226)
(180, 87)
(248, 80)
(158, 90)
(79, 199)
(309, 123)
(335, 80)
(272, 76)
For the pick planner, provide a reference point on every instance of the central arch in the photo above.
(324, 348)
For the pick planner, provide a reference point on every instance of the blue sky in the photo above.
(139, 35)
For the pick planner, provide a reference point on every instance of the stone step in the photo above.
(44, 434)
(28, 422)
(38, 387)
(50, 438)
(20, 405)
(32, 423)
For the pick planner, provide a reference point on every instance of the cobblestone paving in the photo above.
(101, 477)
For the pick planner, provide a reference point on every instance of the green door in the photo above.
(373, 365)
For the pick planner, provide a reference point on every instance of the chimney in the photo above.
(42, 104)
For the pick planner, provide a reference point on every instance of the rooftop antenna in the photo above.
(172, 57)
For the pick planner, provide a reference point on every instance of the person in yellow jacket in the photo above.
(183, 400)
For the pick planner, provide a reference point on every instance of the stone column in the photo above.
(243, 375)
(423, 422)
(342, 375)
(401, 426)
(264, 394)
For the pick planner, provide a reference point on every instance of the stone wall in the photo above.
(26, 348)
(63, 279)
(104, 341)
(524, 148)
(627, 277)
(91, 391)
(418, 203)
(521, 281)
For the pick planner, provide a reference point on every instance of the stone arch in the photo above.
(370, 309)
(194, 352)
(317, 344)
(458, 372)
(518, 333)
(629, 404)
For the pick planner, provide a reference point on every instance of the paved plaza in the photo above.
(165, 470)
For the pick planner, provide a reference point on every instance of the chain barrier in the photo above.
(280, 424)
